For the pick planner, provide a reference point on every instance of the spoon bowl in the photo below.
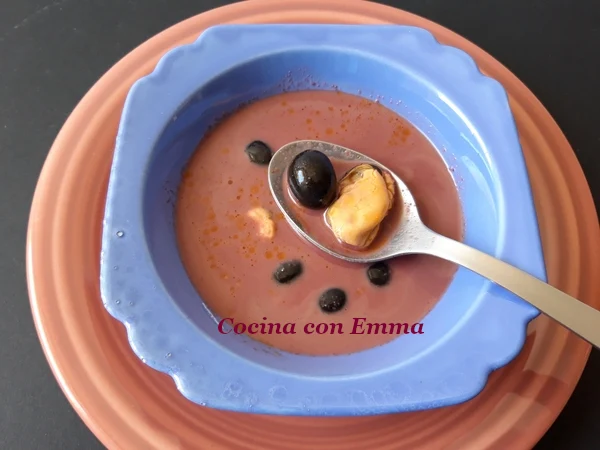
(412, 236)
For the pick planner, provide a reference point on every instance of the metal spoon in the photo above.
(413, 237)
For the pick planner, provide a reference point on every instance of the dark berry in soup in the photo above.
(332, 300)
(379, 273)
(259, 153)
(287, 271)
(312, 179)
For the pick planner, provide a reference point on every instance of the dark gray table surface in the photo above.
(52, 52)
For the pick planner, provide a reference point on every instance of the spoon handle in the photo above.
(580, 318)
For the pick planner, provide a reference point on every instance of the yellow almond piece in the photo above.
(365, 196)
(264, 219)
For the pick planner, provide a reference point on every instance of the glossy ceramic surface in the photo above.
(130, 406)
(475, 328)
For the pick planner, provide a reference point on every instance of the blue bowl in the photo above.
(475, 328)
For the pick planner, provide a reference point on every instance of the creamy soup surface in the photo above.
(231, 264)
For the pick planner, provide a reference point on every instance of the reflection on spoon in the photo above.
(412, 237)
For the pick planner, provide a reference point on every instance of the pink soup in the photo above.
(232, 264)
